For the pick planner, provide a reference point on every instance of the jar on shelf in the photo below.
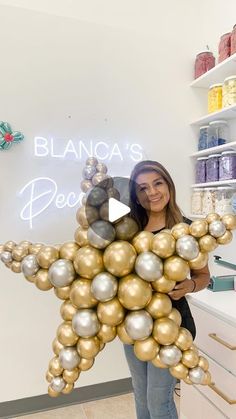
(212, 168)
(215, 98)
(224, 47)
(233, 41)
(227, 165)
(203, 137)
(200, 170)
(208, 201)
(196, 201)
(218, 133)
(229, 91)
(204, 61)
(233, 202)
(223, 200)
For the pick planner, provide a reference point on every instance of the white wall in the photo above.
(113, 72)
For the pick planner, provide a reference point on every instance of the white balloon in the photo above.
(29, 265)
(196, 375)
(69, 358)
(138, 325)
(104, 286)
(61, 273)
(85, 323)
(6, 257)
(149, 266)
(57, 384)
(170, 355)
(187, 247)
(217, 228)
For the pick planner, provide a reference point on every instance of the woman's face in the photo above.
(152, 191)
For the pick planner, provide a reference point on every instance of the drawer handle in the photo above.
(222, 342)
(221, 394)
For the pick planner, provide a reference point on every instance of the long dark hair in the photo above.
(173, 213)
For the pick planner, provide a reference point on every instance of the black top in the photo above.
(182, 305)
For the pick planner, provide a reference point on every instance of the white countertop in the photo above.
(221, 304)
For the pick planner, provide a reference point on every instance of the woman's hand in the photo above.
(182, 288)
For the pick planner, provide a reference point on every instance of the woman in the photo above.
(153, 206)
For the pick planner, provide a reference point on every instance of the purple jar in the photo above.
(212, 168)
(200, 174)
(227, 165)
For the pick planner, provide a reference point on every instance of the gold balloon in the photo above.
(85, 185)
(70, 376)
(52, 393)
(207, 379)
(91, 161)
(146, 349)
(119, 258)
(88, 262)
(187, 380)
(190, 358)
(123, 335)
(126, 228)
(16, 267)
(102, 345)
(134, 293)
(142, 241)
(159, 306)
(19, 252)
(207, 243)
(57, 346)
(184, 339)
(229, 221)
(25, 243)
(175, 316)
(88, 348)
(163, 284)
(81, 236)
(163, 244)
(66, 335)
(41, 280)
(63, 293)
(9, 246)
(1, 248)
(104, 211)
(180, 230)
(35, 248)
(85, 364)
(30, 278)
(212, 217)
(203, 363)
(179, 371)
(176, 269)
(200, 261)
(46, 256)
(158, 363)
(103, 180)
(226, 238)
(81, 295)
(68, 388)
(106, 333)
(55, 367)
(49, 377)
(165, 331)
(86, 215)
(198, 228)
(67, 310)
(111, 312)
(68, 250)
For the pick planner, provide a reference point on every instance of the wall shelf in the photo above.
(217, 74)
(225, 113)
(218, 183)
(218, 149)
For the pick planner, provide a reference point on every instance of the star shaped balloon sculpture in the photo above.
(113, 280)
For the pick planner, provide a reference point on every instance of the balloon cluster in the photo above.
(113, 280)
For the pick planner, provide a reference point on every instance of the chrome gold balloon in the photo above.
(85, 185)
(165, 331)
(70, 376)
(226, 238)
(179, 230)
(119, 258)
(134, 293)
(42, 280)
(229, 220)
(163, 284)
(175, 316)
(52, 393)
(35, 248)
(159, 306)
(9, 246)
(88, 348)
(16, 267)
(123, 335)
(85, 364)
(212, 217)
(207, 243)
(146, 349)
(142, 241)
(111, 312)
(126, 228)
(88, 262)
(81, 295)
(184, 339)
(86, 215)
(179, 371)
(56, 346)
(81, 236)
(200, 261)
(203, 363)
(190, 358)
(19, 252)
(55, 367)
(206, 379)
(68, 388)
(68, 250)
(46, 256)
(49, 377)
(63, 293)
(176, 269)
(66, 335)
(163, 244)
(198, 228)
(107, 333)
(67, 310)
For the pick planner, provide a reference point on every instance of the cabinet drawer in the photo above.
(194, 405)
(216, 338)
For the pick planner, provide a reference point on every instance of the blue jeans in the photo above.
(153, 388)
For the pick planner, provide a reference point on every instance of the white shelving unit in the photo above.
(218, 149)
(214, 184)
(225, 113)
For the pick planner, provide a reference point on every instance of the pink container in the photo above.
(224, 47)
(204, 61)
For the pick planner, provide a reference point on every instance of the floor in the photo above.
(119, 407)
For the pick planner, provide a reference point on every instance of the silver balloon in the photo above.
(29, 265)
(101, 233)
(96, 196)
(196, 375)
(57, 384)
(6, 257)
(170, 355)
(89, 172)
(217, 228)
(101, 167)
(104, 286)
(61, 273)
(91, 161)
(149, 266)
(85, 323)
(187, 247)
(138, 325)
(69, 358)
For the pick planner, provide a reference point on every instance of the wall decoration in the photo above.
(8, 137)
(113, 281)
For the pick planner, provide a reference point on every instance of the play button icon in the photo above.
(116, 209)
